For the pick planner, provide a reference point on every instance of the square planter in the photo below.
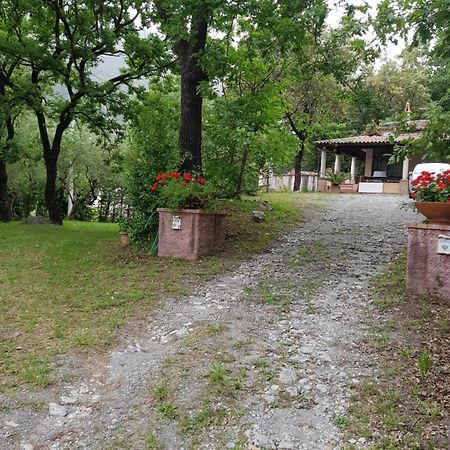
(429, 260)
(190, 233)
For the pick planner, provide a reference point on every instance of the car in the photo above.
(425, 167)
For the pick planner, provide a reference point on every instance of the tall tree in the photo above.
(186, 24)
(8, 112)
(202, 34)
(61, 44)
(313, 87)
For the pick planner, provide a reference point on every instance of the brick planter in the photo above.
(190, 233)
(428, 270)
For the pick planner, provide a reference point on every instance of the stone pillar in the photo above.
(369, 162)
(353, 169)
(428, 266)
(338, 163)
(323, 163)
(405, 171)
(404, 182)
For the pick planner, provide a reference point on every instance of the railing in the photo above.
(308, 182)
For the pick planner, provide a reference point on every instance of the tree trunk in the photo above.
(51, 152)
(5, 207)
(240, 178)
(52, 199)
(192, 74)
(5, 204)
(301, 135)
(298, 166)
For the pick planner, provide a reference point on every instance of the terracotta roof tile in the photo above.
(382, 135)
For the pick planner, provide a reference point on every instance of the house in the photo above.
(373, 150)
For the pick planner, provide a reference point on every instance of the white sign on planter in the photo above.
(443, 245)
(176, 223)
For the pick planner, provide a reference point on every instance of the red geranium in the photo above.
(432, 187)
(182, 190)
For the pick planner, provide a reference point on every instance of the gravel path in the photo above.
(260, 358)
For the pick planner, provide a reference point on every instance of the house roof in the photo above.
(382, 135)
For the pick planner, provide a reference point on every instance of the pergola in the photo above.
(373, 150)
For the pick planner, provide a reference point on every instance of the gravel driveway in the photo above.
(260, 358)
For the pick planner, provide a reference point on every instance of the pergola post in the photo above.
(353, 169)
(405, 171)
(323, 163)
(338, 163)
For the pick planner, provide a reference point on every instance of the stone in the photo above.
(287, 376)
(37, 220)
(57, 410)
(286, 444)
(11, 423)
(68, 400)
(265, 206)
(258, 216)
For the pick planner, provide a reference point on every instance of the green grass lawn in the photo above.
(71, 287)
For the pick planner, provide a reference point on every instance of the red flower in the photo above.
(441, 186)
(154, 187)
(201, 181)
(187, 177)
(175, 174)
(158, 177)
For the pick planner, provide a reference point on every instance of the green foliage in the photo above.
(94, 171)
(243, 128)
(336, 178)
(433, 142)
(183, 191)
(429, 21)
(168, 410)
(152, 149)
(222, 381)
(425, 362)
(56, 49)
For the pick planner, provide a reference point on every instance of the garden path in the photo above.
(260, 358)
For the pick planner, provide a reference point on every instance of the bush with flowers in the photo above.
(431, 187)
(183, 191)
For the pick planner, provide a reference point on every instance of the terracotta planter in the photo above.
(190, 233)
(335, 188)
(124, 241)
(435, 212)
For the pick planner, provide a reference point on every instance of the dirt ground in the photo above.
(259, 358)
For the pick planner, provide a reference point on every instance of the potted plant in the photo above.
(336, 179)
(189, 226)
(432, 196)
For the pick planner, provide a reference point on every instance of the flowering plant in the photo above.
(183, 190)
(431, 187)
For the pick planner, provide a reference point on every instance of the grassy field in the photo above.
(70, 288)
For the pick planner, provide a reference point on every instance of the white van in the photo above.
(425, 167)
